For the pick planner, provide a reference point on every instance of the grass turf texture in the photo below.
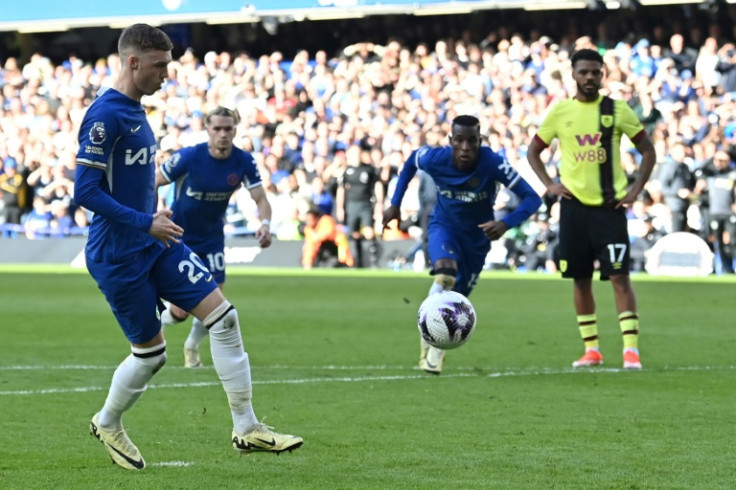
(334, 357)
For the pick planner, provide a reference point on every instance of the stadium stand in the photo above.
(389, 84)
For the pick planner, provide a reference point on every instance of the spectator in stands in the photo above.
(394, 94)
(726, 66)
(683, 56)
(647, 112)
(62, 223)
(38, 221)
(12, 192)
(706, 66)
(321, 197)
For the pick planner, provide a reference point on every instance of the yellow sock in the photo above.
(629, 323)
(588, 325)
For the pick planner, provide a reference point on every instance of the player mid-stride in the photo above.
(462, 224)
(206, 175)
(135, 255)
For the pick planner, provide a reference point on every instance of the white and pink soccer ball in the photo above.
(446, 320)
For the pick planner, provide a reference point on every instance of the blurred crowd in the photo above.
(307, 117)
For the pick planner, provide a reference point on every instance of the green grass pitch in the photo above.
(334, 360)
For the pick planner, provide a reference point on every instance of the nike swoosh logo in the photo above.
(429, 364)
(135, 129)
(194, 194)
(137, 463)
(244, 445)
(209, 279)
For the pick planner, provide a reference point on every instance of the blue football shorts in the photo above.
(214, 259)
(134, 287)
(468, 248)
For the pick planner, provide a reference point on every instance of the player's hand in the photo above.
(391, 213)
(263, 235)
(164, 230)
(493, 230)
(559, 189)
(627, 200)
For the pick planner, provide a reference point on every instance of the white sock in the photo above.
(168, 319)
(231, 364)
(436, 288)
(196, 334)
(129, 382)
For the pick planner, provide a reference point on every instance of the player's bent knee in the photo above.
(225, 329)
(152, 358)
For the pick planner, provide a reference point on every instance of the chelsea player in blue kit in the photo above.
(205, 176)
(462, 224)
(136, 256)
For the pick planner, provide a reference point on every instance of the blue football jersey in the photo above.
(204, 185)
(115, 176)
(465, 199)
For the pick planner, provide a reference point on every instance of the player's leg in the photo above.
(214, 258)
(197, 333)
(173, 315)
(628, 319)
(587, 322)
(431, 359)
(473, 252)
(451, 275)
(576, 262)
(132, 296)
(444, 253)
(613, 247)
(233, 368)
(195, 290)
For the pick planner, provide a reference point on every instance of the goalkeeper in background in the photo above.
(462, 224)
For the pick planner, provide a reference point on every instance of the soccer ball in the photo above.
(446, 320)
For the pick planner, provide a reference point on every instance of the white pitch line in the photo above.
(175, 464)
(501, 374)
